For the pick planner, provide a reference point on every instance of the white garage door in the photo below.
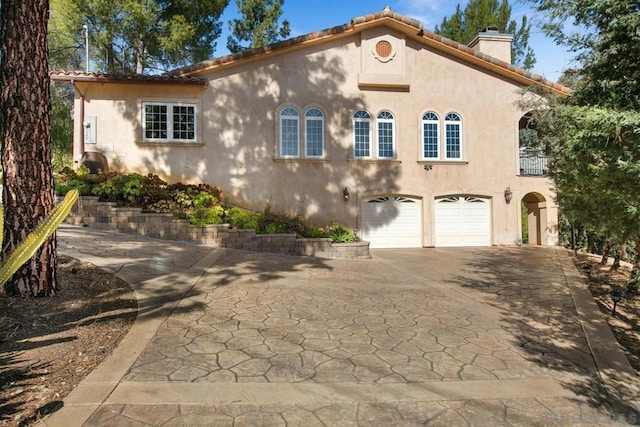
(462, 221)
(392, 222)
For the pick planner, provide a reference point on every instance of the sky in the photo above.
(307, 16)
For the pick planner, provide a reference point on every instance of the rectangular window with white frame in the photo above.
(169, 122)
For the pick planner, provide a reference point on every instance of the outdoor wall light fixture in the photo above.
(616, 296)
(346, 194)
(508, 195)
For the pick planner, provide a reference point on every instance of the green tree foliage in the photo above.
(61, 126)
(66, 44)
(465, 24)
(595, 156)
(593, 136)
(258, 24)
(131, 36)
(605, 34)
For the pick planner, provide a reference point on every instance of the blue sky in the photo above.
(306, 16)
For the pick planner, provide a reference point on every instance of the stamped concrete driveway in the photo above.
(473, 336)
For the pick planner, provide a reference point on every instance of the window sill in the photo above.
(169, 144)
(300, 160)
(443, 162)
(356, 160)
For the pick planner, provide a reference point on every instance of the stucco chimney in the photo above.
(491, 42)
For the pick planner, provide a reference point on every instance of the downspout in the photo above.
(81, 141)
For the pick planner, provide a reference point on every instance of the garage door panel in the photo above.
(392, 222)
(462, 221)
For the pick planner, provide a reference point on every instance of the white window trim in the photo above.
(371, 144)
(280, 133)
(444, 140)
(302, 147)
(393, 134)
(170, 106)
(438, 137)
(306, 135)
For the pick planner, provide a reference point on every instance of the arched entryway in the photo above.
(534, 219)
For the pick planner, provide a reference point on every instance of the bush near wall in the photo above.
(92, 213)
(149, 206)
(201, 204)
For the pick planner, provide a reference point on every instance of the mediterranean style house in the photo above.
(409, 138)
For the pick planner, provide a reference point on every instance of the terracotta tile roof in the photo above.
(80, 76)
(408, 25)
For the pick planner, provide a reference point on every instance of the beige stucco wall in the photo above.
(237, 133)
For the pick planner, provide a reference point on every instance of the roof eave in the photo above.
(73, 78)
(253, 55)
(408, 27)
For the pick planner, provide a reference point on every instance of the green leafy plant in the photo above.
(132, 187)
(314, 233)
(279, 223)
(35, 239)
(243, 218)
(204, 216)
(341, 234)
(83, 170)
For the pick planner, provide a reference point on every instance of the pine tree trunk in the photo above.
(620, 252)
(26, 141)
(605, 251)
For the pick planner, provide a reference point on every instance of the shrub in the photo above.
(341, 234)
(154, 189)
(188, 195)
(67, 179)
(132, 188)
(74, 184)
(109, 190)
(279, 223)
(204, 216)
(314, 233)
(243, 218)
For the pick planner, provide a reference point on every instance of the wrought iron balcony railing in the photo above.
(533, 162)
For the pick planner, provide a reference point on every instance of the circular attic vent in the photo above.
(384, 51)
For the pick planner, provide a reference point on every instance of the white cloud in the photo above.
(429, 12)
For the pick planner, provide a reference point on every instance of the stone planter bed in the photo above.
(89, 212)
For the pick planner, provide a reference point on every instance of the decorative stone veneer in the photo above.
(89, 212)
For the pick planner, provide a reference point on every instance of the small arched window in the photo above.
(453, 136)
(386, 136)
(361, 134)
(430, 135)
(289, 132)
(314, 132)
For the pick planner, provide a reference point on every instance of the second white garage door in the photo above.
(462, 221)
(392, 222)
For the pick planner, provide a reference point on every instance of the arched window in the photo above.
(289, 132)
(314, 132)
(361, 134)
(453, 136)
(385, 126)
(430, 135)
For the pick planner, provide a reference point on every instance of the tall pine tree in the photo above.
(131, 36)
(26, 141)
(463, 25)
(258, 24)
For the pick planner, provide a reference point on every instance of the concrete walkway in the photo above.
(465, 336)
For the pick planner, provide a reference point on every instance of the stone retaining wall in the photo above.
(89, 212)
